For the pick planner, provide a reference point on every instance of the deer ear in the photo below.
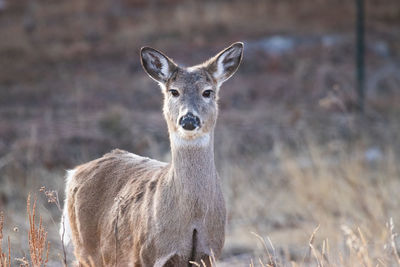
(157, 65)
(225, 64)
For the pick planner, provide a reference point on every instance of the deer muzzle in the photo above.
(189, 122)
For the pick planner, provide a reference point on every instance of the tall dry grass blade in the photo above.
(315, 254)
(325, 250)
(52, 197)
(357, 245)
(5, 259)
(9, 251)
(265, 246)
(213, 260)
(364, 251)
(37, 236)
(64, 258)
(310, 246)
(273, 250)
(393, 236)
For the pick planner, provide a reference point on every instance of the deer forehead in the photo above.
(191, 80)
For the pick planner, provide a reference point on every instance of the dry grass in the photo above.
(37, 241)
(351, 199)
(5, 257)
(38, 247)
(282, 196)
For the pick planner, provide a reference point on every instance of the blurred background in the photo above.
(293, 148)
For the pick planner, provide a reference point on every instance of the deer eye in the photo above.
(207, 93)
(174, 92)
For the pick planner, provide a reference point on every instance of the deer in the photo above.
(126, 210)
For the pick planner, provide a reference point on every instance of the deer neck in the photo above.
(193, 169)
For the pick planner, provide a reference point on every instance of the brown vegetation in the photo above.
(37, 241)
(38, 249)
(5, 256)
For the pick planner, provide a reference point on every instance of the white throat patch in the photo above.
(201, 141)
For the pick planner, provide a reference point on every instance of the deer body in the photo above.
(127, 210)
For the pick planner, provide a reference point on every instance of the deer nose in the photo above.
(189, 122)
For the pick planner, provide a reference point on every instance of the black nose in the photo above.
(189, 122)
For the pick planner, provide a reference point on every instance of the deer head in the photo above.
(190, 94)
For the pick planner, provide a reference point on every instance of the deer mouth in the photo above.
(193, 134)
(189, 134)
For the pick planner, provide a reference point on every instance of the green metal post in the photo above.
(360, 51)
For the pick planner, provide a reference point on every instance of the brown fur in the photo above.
(127, 210)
